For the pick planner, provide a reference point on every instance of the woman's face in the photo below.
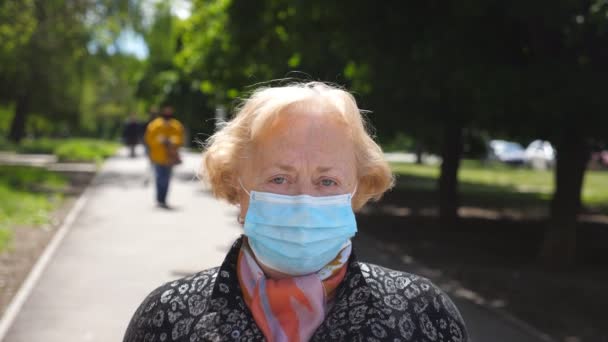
(300, 153)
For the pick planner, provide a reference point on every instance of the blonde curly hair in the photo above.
(228, 145)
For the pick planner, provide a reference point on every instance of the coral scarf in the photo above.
(289, 309)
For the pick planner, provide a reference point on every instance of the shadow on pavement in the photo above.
(493, 262)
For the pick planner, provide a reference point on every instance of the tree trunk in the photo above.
(17, 130)
(559, 246)
(418, 151)
(448, 180)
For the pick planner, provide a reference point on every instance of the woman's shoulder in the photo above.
(393, 280)
(424, 304)
(171, 308)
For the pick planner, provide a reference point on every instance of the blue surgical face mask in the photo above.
(298, 235)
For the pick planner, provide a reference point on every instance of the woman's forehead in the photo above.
(319, 140)
(307, 128)
(302, 116)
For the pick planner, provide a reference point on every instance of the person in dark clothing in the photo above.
(131, 134)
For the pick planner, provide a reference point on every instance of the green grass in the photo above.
(28, 197)
(68, 150)
(502, 183)
(5, 145)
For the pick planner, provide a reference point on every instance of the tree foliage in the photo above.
(45, 62)
(435, 71)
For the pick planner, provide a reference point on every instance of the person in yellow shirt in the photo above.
(164, 135)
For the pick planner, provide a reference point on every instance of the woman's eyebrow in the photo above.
(286, 167)
(290, 168)
(322, 169)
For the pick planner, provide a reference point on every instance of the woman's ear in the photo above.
(242, 200)
(243, 206)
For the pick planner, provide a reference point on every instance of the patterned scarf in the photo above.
(289, 309)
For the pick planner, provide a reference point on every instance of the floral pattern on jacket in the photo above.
(372, 304)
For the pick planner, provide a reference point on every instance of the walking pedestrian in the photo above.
(130, 134)
(164, 135)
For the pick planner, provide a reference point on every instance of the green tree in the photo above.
(108, 92)
(558, 95)
(44, 54)
(432, 69)
(166, 80)
(41, 75)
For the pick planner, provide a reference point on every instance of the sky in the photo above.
(133, 43)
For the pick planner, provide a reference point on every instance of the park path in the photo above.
(120, 247)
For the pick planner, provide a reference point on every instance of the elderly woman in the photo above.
(298, 162)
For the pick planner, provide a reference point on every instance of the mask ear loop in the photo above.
(240, 219)
(352, 194)
(242, 186)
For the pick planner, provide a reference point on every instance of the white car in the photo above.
(540, 154)
(507, 152)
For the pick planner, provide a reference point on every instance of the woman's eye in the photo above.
(278, 180)
(328, 182)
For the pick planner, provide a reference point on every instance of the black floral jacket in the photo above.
(372, 304)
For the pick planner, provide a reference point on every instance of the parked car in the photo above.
(507, 152)
(540, 154)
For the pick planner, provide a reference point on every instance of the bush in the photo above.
(25, 178)
(43, 145)
(85, 150)
(40, 145)
(399, 143)
(70, 150)
(5, 145)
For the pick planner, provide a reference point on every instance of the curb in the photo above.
(14, 307)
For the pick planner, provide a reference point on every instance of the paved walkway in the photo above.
(121, 246)
(47, 161)
(406, 157)
(12, 158)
